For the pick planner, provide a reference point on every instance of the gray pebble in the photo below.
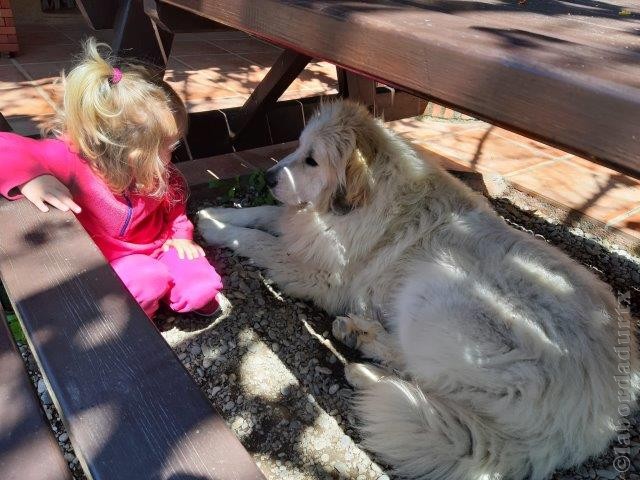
(608, 474)
(342, 469)
(46, 398)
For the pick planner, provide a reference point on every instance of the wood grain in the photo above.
(566, 74)
(131, 409)
(28, 449)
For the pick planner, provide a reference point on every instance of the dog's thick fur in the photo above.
(499, 352)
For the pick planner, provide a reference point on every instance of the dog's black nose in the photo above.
(272, 178)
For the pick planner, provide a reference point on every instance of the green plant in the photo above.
(262, 193)
(233, 189)
(16, 329)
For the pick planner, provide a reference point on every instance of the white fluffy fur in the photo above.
(497, 350)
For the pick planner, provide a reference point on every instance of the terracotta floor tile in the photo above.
(548, 150)
(196, 85)
(41, 37)
(23, 100)
(246, 45)
(598, 194)
(423, 129)
(215, 35)
(10, 76)
(310, 80)
(316, 77)
(216, 103)
(77, 36)
(484, 151)
(229, 70)
(46, 53)
(264, 59)
(48, 70)
(194, 47)
(30, 28)
(630, 225)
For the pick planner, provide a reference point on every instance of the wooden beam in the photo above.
(284, 71)
(28, 449)
(177, 20)
(136, 36)
(131, 409)
(200, 172)
(535, 68)
(99, 14)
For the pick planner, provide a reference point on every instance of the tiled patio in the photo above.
(219, 70)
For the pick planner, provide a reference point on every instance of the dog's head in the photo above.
(332, 167)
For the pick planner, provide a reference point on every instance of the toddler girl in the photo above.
(110, 163)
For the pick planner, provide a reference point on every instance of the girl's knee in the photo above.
(147, 280)
(195, 292)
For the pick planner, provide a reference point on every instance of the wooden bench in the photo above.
(563, 73)
(132, 411)
(28, 449)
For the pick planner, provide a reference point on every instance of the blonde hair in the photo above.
(119, 127)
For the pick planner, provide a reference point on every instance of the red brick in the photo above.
(9, 21)
(1, 22)
(12, 38)
(4, 39)
(5, 4)
(8, 47)
(7, 30)
(6, 12)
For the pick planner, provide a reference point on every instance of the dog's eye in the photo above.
(310, 161)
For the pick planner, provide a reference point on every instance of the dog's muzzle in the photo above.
(272, 178)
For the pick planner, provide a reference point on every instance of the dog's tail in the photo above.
(424, 437)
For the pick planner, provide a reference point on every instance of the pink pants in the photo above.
(185, 285)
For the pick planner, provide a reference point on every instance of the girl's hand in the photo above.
(184, 247)
(47, 188)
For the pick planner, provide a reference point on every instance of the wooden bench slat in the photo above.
(28, 449)
(131, 409)
(201, 171)
(533, 68)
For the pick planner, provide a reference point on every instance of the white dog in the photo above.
(499, 353)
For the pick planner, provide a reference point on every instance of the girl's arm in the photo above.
(37, 170)
(181, 226)
(22, 159)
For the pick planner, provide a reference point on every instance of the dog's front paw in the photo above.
(214, 231)
(220, 214)
(343, 329)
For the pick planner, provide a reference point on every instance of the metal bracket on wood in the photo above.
(282, 74)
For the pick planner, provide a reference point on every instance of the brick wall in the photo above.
(8, 37)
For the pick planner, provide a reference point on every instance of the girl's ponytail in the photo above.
(118, 115)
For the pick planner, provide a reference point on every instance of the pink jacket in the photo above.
(119, 224)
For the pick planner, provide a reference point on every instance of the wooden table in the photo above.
(567, 74)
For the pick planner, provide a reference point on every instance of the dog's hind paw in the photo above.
(343, 330)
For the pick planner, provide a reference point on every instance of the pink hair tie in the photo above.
(116, 76)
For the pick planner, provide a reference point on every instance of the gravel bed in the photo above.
(272, 369)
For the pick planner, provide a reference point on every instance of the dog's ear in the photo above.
(358, 185)
(339, 204)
